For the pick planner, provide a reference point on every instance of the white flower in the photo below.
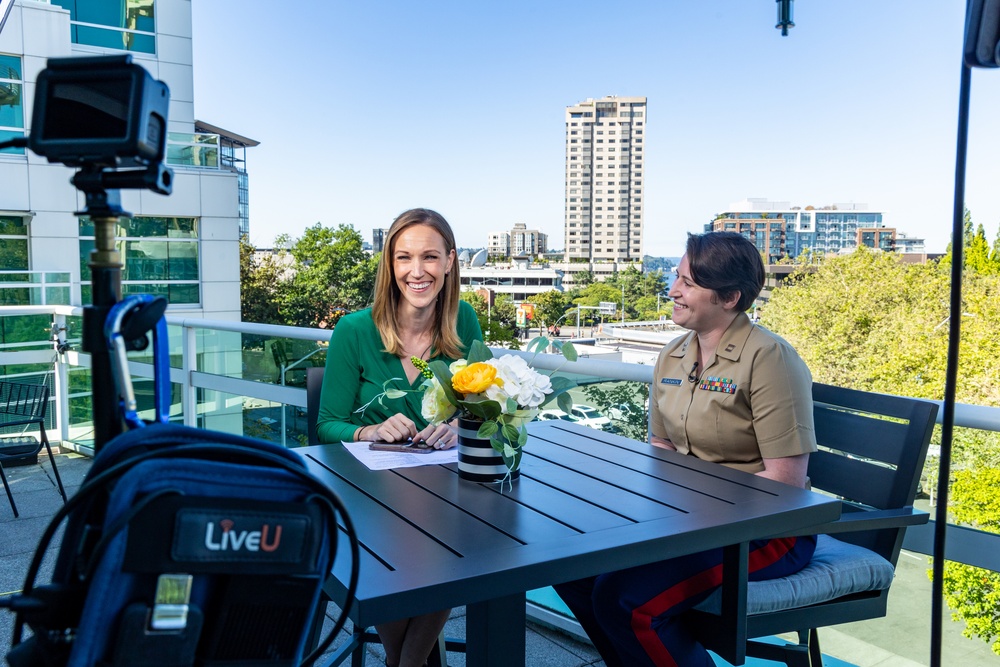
(526, 386)
(435, 406)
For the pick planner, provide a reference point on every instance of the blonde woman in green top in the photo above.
(416, 313)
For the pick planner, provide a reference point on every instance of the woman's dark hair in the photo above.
(726, 262)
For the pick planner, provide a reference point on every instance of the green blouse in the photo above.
(357, 368)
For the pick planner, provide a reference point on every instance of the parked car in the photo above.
(621, 411)
(584, 415)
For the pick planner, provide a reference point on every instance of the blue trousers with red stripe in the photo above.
(634, 617)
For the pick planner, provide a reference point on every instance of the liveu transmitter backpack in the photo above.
(185, 547)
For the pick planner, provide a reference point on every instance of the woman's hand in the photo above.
(397, 428)
(440, 436)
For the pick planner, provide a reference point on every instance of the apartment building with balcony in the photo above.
(780, 229)
(518, 242)
(167, 242)
(604, 179)
(498, 244)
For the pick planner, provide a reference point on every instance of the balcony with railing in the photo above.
(249, 378)
(199, 150)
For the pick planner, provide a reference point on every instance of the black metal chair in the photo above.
(355, 647)
(872, 449)
(24, 405)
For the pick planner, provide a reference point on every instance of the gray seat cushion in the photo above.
(837, 568)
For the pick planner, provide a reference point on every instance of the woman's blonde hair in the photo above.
(387, 294)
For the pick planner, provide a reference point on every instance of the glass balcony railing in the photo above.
(193, 150)
(249, 379)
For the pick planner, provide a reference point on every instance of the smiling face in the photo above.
(699, 308)
(420, 261)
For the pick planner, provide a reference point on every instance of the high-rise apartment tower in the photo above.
(604, 167)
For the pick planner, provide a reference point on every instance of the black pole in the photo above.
(951, 372)
(105, 264)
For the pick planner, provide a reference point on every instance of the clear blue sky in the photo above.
(367, 108)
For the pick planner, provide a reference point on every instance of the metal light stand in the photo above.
(103, 206)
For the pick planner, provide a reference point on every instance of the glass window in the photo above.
(13, 244)
(160, 256)
(193, 150)
(11, 102)
(116, 24)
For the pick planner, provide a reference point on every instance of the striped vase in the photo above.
(477, 460)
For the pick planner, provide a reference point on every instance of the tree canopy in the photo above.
(869, 321)
(320, 276)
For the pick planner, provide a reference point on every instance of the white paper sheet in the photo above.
(377, 460)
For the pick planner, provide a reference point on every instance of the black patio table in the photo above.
(586, 502)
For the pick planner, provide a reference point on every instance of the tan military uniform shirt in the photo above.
(753, 401)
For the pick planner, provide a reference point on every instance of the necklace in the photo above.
(407, 354)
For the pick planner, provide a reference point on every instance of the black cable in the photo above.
(19, 142)
(951, 371)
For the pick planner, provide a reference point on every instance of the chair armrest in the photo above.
(854, 519)
(20, 422)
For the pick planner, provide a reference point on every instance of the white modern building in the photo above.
(518, 279)
(780, 229)
(498, 244)
(518, 242)
(604, 176)
(184, 246)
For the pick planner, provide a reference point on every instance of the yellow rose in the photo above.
(474, 378)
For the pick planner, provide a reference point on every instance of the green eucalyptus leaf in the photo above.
(537, 344)
(479, 352)
(568, 351)
(561, 383)
(565, 402)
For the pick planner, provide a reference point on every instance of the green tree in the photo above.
(331, 275)
(867, 321)
(497, 322)
(595, 293)
(583, 278)
(977, 253)
(974, 593)
(967, 235)
(258, 286)
(504, 310)
(550, 306)
(631, 420)
(995, 254)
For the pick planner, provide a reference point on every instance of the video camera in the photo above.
(104, 110)
(108, 117)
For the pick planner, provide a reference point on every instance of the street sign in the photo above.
(525, 313)
(608, 307)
